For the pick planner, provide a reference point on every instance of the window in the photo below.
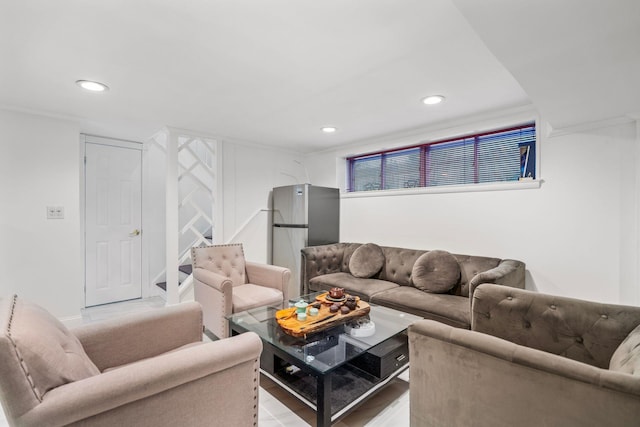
(496, 156)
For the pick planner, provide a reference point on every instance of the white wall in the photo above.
(40, 166)
(576, 233)
(154, 213)
(249, 174)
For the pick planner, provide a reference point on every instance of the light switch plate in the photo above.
(55, 212)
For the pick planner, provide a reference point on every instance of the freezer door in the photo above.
(290, 204)
(287, 243)
(324, 215)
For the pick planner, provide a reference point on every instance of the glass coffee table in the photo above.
(334, 370)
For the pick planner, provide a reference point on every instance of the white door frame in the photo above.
(92, 139)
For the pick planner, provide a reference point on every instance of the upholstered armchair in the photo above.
(530, 359)
(225, 283)
(148, 369)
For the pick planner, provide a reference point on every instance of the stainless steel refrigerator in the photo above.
(303, 215)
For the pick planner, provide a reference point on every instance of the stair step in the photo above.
(163, 285)
(186, 269)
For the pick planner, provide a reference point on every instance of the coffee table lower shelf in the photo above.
(350, 386)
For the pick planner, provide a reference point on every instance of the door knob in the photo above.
(134, 233)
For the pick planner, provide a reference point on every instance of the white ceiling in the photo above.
(274, 72)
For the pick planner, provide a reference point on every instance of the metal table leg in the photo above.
(323, 401)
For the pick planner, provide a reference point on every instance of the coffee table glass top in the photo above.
(328, 349)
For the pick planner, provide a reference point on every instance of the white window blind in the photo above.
(496, 156)
(401, 169)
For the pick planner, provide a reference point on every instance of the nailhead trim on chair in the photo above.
(15, 348)
(256, 373)
(223, 320)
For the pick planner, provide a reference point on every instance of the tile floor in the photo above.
(389, 407)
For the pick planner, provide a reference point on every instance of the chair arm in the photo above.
(509, 272)
(156, 377)
(137, 336)
(215, 293)
(216, 281)
(456, 374)
(270, 276)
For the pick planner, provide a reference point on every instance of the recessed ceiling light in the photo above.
(92, 86)
(329, 129)
(433, 99)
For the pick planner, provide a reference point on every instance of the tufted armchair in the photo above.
(224, 283)
(529, 359)
(147, 369)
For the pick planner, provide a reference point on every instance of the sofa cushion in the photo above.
(50, 354)
(436, 271)
(249, 296)
(364, 288)
(626, 358)
(450, 309)
(366, 261)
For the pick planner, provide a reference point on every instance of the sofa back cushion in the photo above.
(366, 261)
(398, 264)
(626, 358)
(436, 271)
(49, 355)
(226, 260)
(585, 331)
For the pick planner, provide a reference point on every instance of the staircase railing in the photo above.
(191, 189)
(187, 283)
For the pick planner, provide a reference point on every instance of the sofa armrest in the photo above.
(270, 276)
(581, 330)
(319, 260)
(457, 374)
(133, 337)
(509, 272)
(235, 360)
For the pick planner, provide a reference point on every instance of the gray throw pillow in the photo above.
(626, 358)
(436, 271)
(51, 355)
(366, 260)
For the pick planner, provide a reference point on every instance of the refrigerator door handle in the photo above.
(291, 225)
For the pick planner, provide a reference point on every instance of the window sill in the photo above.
(470, 188)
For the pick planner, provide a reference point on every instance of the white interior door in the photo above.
(113, 213)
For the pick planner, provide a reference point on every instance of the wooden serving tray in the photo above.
(289, 322)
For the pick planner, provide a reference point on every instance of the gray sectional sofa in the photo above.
(432, 284)
(530, 360)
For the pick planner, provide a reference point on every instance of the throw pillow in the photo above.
(436, 271)
(51, 355)
(366, 260)
(626, 358)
